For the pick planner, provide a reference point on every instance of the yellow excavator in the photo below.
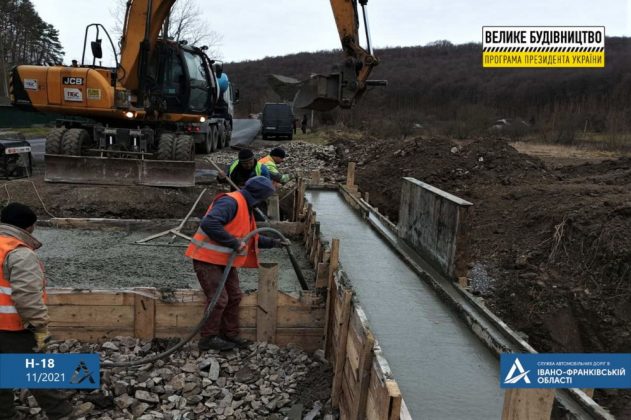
(132, 124)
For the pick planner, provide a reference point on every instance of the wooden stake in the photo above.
(144, 317)
(267, 307)
(315, 177)
(528, 403)
(350, 175)
(273, 208)
(340, 347)
(365, 365)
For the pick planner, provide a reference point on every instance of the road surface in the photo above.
(245, 131)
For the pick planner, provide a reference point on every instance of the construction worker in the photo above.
(23, 311)
(275, 158)
(228, 219)
(244, 168)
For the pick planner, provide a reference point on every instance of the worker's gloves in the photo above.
(282, 243)
(42, 337)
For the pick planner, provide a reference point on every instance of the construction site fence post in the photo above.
(267, 303)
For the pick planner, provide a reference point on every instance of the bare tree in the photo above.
(185, 23)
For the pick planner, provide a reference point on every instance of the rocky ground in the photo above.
(260, 382)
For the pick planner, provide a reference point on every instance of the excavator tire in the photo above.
(205, 147)
(73, 141)
(165, 146)
(214, 135)
(184, 148)
(53, 140)
(228, 135)
(221, 136)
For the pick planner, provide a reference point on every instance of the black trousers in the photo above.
(53, 402)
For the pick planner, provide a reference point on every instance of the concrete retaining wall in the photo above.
(430, 220)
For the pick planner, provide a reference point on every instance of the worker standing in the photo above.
(271, 161)
(23, 312)
(244, 168)
(303, 124)
(228, 219)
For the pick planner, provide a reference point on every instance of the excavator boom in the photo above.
(143, 22)
(348, 80)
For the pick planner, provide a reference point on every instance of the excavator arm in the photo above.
(349, 79)
(142, 25)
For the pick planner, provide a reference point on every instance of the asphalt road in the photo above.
(245, 131)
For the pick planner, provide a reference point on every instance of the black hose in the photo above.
(209, 309)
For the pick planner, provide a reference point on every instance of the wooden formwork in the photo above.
(99, 315)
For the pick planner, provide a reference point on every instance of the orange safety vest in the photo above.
(10, 320)
(202, 248)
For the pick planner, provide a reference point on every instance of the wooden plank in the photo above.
(340, 347)
(315, 177)
(322, 275)
(144, 317)
(528, 404)
(273, 208)
(90, 334)
(267, 305)
(334, 262)
(89, 298)
(300, 317)
(92, 316)
(364, 374)
(395, 400)
(353, 353)
(181, 315)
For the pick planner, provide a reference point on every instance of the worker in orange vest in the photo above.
(227, 221)
(23, 311)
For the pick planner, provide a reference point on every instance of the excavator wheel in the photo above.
(228, 136)
(214, 135)
(205, 147)
(221, 137)
(184, 148)
(165, 147)
(74, 140)
(53, 140)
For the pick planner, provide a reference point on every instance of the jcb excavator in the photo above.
(127, 125)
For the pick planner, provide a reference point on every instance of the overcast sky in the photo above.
(254, 29)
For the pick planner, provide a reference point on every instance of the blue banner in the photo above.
(50, 371)
(565, 370)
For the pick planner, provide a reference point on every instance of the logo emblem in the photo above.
(81, 373)
(77, 81)
(517, 373)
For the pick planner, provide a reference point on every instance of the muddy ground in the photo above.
(107, 260)
(554, 240)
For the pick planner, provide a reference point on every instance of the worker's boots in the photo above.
(214, 342)
(238, 341)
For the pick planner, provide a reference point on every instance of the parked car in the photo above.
(277, 121)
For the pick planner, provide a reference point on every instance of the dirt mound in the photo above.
(554, 242)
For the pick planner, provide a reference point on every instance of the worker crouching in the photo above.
(228, 219)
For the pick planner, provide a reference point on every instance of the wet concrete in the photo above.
(444, 371)
(108, 260)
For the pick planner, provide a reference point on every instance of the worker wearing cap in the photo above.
(227, 221)
(271, 161)
(23, 312)
(244, 168)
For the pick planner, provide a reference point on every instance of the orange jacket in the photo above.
(202, 248)
(10, 320)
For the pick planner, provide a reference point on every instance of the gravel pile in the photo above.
(263, 381)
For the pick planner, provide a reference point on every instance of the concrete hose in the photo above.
(209, 309)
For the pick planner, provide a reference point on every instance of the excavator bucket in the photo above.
(119, 171)
(320, 93)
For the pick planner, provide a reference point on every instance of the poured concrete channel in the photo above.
(444, 371)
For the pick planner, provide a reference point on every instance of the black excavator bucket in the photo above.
(319, 93)
(119, 171)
